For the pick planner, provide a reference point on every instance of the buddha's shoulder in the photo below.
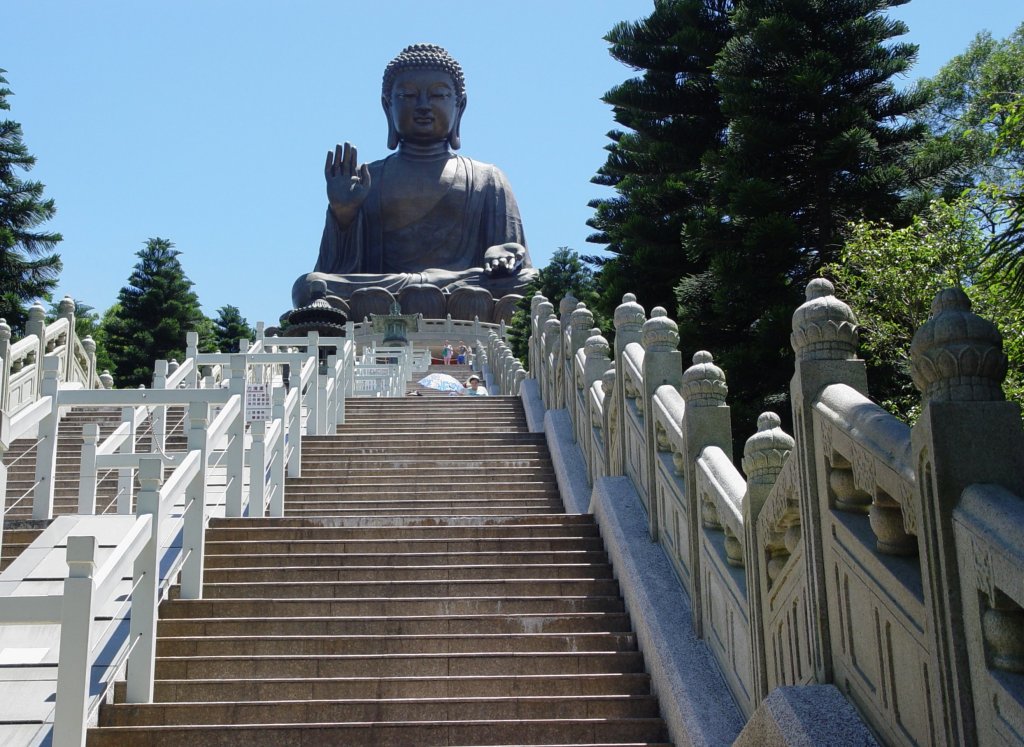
(483, 170)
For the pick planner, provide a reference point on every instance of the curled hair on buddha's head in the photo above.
(424, 57)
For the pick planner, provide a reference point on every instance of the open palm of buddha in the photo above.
(423, 216)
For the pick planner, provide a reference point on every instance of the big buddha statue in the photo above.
(438, 232)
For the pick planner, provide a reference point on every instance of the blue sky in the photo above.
(206, 121)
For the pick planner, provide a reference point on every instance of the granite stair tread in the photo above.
(424, 587)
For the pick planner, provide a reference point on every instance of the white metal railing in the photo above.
(226, 459)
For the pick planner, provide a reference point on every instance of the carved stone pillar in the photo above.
(967, 434)
(663, 365)
(629, 319)
(764, 456)
(706, 422)
(825, 340)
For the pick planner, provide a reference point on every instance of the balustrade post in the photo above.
(36, 325)
(315, 403)
(277, 457)
(534, 338)
(5, 364)
(192, 352)
(707, 421)
(235, 455)
(66, 311)
(566, 307)
(538, 347)
(193, 541)
(158, 417)
(295, 423)
(967, 434)
(71, 714)
(595, 363)
(258, 469)
(146, 582)
(629, 320)
(126, 475)
(663, 366)
(553, 364)
(89, 345)
(106, 380)
(825, 341)
(764, 455)
(87, 471)
(3, 477)
(46, 452)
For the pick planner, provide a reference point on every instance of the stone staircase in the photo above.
(425, 588)
(19, 529)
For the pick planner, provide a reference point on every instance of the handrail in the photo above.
(14, 427)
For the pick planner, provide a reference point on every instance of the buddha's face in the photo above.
(423, 106)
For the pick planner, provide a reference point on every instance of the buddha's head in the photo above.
(424, 96)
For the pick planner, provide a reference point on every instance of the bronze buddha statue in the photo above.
(433, 229)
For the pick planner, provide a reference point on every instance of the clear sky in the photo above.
(206, 121)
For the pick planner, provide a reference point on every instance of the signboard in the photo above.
(257, 402)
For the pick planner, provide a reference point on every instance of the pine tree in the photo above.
(28, 265)
(566, 273)
(673, 119)
(157, 308)
(818, 137)
(229, 327)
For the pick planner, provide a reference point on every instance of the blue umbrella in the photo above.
(441, 382)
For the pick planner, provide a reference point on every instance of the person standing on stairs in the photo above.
(474, 388)
(446, 353)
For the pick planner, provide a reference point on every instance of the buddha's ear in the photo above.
(454, 140)
(392, 132)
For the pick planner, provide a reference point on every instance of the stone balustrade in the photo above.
(21, 370)
(858, 551)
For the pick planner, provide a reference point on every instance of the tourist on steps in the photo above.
(474, 387)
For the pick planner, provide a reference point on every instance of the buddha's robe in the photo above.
(443, 247)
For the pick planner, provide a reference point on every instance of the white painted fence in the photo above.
(885, 559)
(228, 468)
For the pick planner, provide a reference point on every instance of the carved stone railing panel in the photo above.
(726, 617)
(675, 511)
(878, 622)
(869, 469)
(989, 527)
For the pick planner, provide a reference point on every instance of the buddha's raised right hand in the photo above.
(347, 184)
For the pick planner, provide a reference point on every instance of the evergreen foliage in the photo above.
(818, 136)
(889, 277)
(156, 309)
(672, 120)
(566, 273)
(28, 265)
(229, 327)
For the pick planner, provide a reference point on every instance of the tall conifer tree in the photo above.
(156, 309)
(672, 118)
(28, 265)
(818, 136)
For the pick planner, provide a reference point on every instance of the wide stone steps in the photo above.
(374, 645)
(333, 688)
(399, 562)
(424, 588)
(477, 663)
(365, 625)
(550, 732)
(383, 709)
